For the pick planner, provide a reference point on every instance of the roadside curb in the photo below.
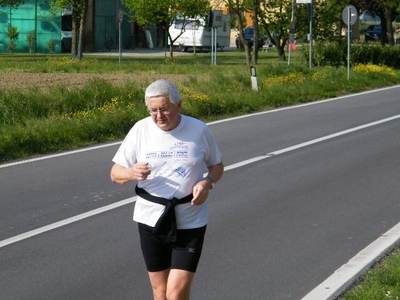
(344, 277)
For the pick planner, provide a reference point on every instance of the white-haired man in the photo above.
(166, 154)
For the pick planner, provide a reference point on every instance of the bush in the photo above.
(391, 56)
(365, 54)
(335, 54)
(13, 35)
(329, 54)
(51, 44)
(31, 39)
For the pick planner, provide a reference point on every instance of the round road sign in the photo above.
(349, 9)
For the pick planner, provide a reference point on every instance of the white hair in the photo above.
(163, 87)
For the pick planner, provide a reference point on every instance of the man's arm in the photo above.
(201, 189)
(121, 175)
(215, 173)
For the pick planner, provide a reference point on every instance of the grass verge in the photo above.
(37, 121)
(380, 283)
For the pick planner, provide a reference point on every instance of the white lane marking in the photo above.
(347, 274)
(64, 222)
(57, 155)
(210, 123)
(311, 142)
(303, 105)
(91, 213)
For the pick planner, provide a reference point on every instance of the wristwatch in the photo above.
(211, 181)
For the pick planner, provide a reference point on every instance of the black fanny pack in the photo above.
(165, 228)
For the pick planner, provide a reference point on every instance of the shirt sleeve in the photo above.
(126, 154)
(214, 155)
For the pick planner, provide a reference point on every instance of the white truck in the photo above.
(193, 33)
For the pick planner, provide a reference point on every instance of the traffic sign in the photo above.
(352, 11)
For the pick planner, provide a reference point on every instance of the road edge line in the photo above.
(344, 277)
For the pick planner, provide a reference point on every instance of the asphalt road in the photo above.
(306, 189)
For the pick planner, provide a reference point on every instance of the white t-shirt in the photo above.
(177, 159)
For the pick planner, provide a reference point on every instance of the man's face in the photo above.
(165, 114)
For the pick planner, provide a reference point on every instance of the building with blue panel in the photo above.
(32, 17)
(101, 30)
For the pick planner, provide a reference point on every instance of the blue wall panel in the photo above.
(34, 15)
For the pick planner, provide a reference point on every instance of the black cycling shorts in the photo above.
(184, 254)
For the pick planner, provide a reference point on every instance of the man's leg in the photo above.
(185, 258)
(158, 282)
(179, 282)
(157, 257)
(171, 284)
(174, 283)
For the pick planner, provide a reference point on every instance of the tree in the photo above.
(237, 9)
(11, 3)
(164, 12)
(255, 15)
(79, 9)
(387, 11)
(276, 19)
(31, 39)
(13, 35)
(327, 20)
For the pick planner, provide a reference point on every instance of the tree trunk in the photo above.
(236, 10)
(247, 50)
(243, 39)
(281, 51)
(389, 27)
(74, 35)
(256, 6)
(171, 46)
(81, 29)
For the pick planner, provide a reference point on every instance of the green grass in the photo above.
(37, 121)
(380, 283)
(110, 64)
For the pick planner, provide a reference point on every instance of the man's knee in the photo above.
(179, 282)
(178, 294)
(158, 282)
(159, 293)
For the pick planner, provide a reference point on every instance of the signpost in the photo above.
(292, 31)
(121, 18)
(349, 17)
(309, 10)
(214, 21)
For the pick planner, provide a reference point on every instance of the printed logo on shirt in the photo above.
(178, 150)
(180, 171)
(164, 162)
(180, 145)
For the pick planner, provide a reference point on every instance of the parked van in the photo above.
(193, 33)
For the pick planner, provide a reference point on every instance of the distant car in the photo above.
(373, 33)
(249, 36)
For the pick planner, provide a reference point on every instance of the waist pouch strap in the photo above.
(165, 228)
